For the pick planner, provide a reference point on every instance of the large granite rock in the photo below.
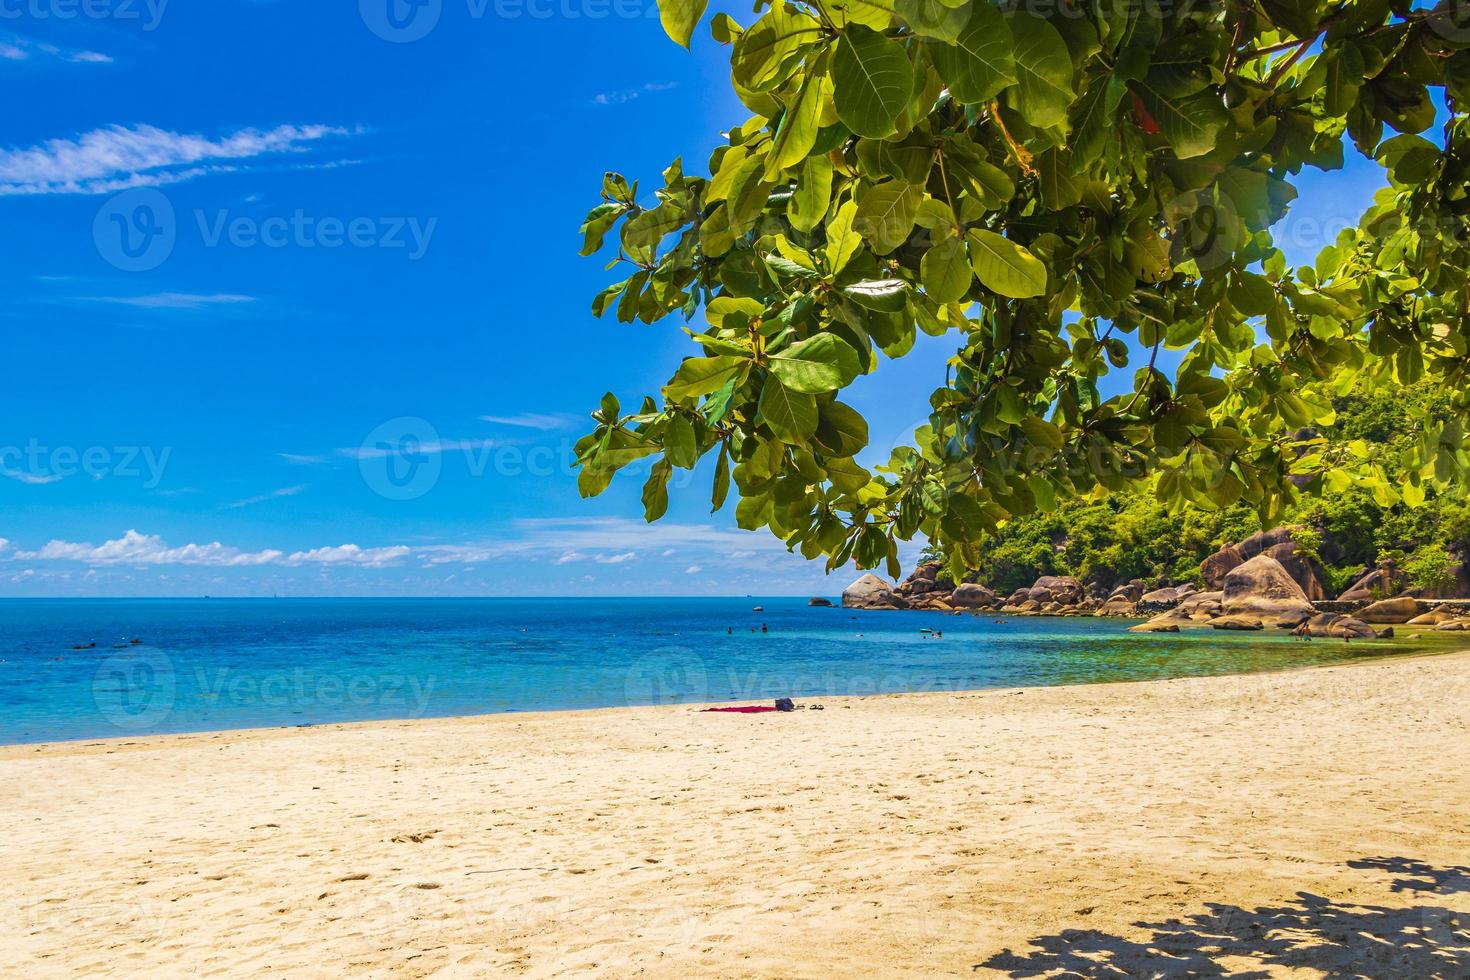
(870, 592)
(1215, 567)
(1436, 616)
(1385, 580)
(1056, 588)
(1159, 600)
(1194, 611)
(973, 596)
(1305, 571)
(1400, 609)
(1337, 626)
(1243, 623)
(1260, 588)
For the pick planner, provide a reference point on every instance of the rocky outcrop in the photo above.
(871, 592)
(819, 601)
(1435, 617)
(1397, 610)
(1159, 600)
(973, 596)
(1215, 567)
(1385, 580)
(1276, 543)
(1262, 589)
(1056, 588)
(1244, 623)
(1154, 626)
(1337, 626)
(1194, 611)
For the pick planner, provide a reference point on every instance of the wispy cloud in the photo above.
(273, 495)
(119, 157)
(621, 96)
(428, 448)
(174, 301)
(16, 48)
(30, 479)
(301, 459)
(533, 420)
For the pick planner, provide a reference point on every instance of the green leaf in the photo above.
(817, 365)
(1005, 267)
(599, 220)
(1190, 125)
(873, 80)
(981, 61)
(722, 481)
(841, 430)
(842, 241)
(656, 491)
(883, 295)
(945, 271)
(885, 215)
(798, 131)
(763, 57)
(680, 446)
(790, 415)
(679, 18)
(808, 204)
(1043, 72)
(702, 376)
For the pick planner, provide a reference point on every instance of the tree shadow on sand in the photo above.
(1341, 940)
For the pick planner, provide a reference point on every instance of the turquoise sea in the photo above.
(210, 664)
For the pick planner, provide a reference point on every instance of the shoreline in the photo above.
(1367, 658)
(1295, 820)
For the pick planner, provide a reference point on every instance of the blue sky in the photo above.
(248, 243)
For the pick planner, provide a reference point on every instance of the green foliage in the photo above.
(1041, 185)
(1431, 567)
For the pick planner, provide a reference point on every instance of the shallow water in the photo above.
(207, 665)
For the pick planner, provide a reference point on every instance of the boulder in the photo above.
(1195, 611)
(1154, 626)
(1159, 600)
(1186, 590)
(1337, 626)
(1305, 571)
(1056, 588)
(818, 601)
(1128, 592)
(923, 580)
(1117, 606)
(1397, 610)
(1384, 580)
(1262, 589)
(972, 596)
(1263, 541)
(1215, 567)
(1237, 623)
(869, 592)
(1436, 616)
(1453, 626)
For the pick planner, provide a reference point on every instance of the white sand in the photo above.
(1163, 828)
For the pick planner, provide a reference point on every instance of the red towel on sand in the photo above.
(748, 709)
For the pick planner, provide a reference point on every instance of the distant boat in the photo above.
(758, 609)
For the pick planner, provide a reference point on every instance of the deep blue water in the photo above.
(205, 664)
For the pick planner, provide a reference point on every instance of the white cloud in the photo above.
(16, 48)
(302, 460)
(615, 559)
(4, 545)
(146, 549)
(693, 570)
(569, 557)
(274, 494)
(533, 420)
(351, 554)
(629, 94)
(118, 157)
(174, 301)
(429, 448)
(31, 479)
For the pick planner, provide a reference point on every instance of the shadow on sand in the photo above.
(1340, 940)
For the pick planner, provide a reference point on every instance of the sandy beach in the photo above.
(1304, 824)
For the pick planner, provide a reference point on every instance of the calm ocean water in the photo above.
(204, 665)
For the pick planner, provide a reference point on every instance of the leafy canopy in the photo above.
(1041, 181)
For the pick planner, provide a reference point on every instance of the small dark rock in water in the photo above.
(85, 646)
(784, 704)
(819, 601)
(135, 641)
